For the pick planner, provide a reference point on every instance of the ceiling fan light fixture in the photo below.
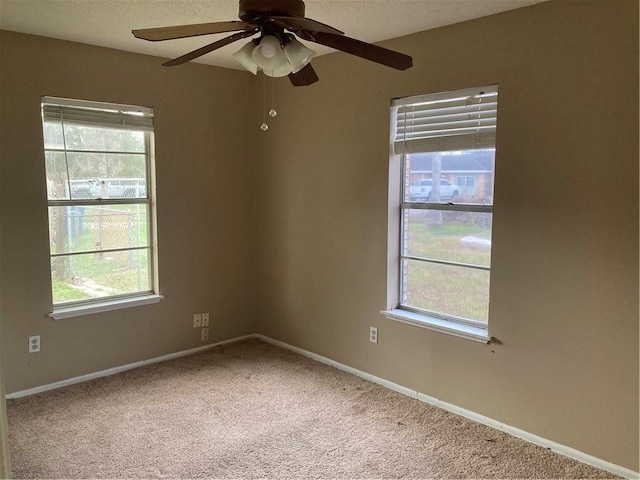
(268, 55)
(298, 55)
(282, 71)
(244, 57)
(275, 52)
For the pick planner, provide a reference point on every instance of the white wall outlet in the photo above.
(204, 334)
(34, 344)
(205, 319)
(373, 334)
(197, 320)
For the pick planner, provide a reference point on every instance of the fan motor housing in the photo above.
(253, 10)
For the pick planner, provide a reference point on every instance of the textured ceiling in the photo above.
(108, 23)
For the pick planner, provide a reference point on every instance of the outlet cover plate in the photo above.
(34, 344)
(373, 334)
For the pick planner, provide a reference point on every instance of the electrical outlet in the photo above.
(34, 344)
(205, 319)
(373, 334)
(197, 320)
(204, 334)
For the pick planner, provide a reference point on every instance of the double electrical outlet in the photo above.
(201, 320)
(34, 344)
(373, 334)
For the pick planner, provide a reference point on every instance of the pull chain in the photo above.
(264, 127)
(272, 112)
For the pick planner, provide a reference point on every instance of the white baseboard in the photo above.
(516, 432)
(490, 422)
(123, 368)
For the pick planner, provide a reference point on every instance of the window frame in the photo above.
(149, 295)
(399, 207)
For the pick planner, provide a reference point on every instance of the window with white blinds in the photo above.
(100, 190)
(460, 120)
(125, 117)
(446, 142)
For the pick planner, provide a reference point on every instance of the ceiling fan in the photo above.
(276, 51)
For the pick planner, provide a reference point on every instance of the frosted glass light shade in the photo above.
(245, 58)
(270, 57)
(298, 55)
(283, 71)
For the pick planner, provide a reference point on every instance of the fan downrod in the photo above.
(253, 10)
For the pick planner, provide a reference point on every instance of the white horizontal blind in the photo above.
(104, 115)
(457, 120)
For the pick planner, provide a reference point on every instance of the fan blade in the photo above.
(182, 31)
(304, 77)
(371, 52)
(209, 48)
(297, 23)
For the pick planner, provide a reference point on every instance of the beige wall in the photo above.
(306, 262)
(204, 217)
(5, 462)
(564, 293)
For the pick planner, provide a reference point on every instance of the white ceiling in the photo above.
(108, 23)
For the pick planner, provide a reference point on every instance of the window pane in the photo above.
(53, 138)
(95, 175)
(96, 275)
(466, 177)
(79, 137)
(82, 228)
(462, 237)
(107, 175)
(459, 291)
(57, 180)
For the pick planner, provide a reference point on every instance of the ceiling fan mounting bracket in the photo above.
(267, 27)
(251, 11)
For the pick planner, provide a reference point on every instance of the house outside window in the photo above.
(100, 190)
(445, 149)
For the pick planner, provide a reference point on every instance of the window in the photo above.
(465, 181)
(444, 259)
(467, 185)
(100, 186)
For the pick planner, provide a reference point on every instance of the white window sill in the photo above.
(439, 325)
(106, 306)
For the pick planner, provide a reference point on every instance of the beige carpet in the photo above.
(251, 410)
